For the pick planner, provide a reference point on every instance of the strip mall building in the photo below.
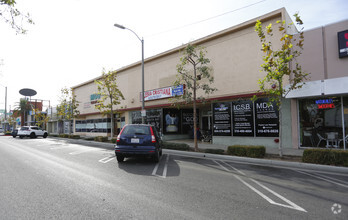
(315, 116)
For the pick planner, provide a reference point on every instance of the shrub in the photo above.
(113, 140)
(74, 136)
(101, 139)
(214, 151)
(325, 157)
(247, 151)
(176, 146)
(63, 135)
(53, 135)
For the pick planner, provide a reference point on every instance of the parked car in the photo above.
(14, 132)
(138, 140)
(32, 132)
(1, 130)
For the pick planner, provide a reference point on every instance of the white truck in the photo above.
(32, 132)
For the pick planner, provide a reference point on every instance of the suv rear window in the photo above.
(139, 130)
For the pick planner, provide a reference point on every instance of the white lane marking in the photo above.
(83, 151)
(291, 204)
(325, 178)
(107, 159)
(165, 167)
(60, 147)
(164, 174)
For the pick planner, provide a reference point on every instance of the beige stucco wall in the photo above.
(320, 54)
(336, 67)
(235, 57)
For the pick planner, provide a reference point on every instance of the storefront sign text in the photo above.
(162, 93)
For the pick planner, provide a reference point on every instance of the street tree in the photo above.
(280, 64)
(195, 73)
(12, 16)
(67, 107)
(23, 108)
(40, 118)
(110, 95)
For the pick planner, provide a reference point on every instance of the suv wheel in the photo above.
(45, 135)
(32, 135)
(120, 158)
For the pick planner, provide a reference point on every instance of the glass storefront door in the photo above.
(321, 122)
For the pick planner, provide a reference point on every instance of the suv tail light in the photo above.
(119, 135)
(118, 138)
(153, 138)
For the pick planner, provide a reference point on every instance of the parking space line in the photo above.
(83, 151)
(60, 147)
(164, 174)
(325, 178)
(107, 159)
(290, 205)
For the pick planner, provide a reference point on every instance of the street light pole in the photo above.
(142, 71)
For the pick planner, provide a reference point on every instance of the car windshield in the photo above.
(24, 128)
(139, 130)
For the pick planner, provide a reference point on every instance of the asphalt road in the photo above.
(55, 179)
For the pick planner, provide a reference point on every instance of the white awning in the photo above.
(336, 86)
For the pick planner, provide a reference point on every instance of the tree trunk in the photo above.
(280, 119)
(194, 110)
(112, 124)
(280, 131)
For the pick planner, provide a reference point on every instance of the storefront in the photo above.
(324, 122)
(311, 117)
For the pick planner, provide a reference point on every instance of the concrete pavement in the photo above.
(256, 161)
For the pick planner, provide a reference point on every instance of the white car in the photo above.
(32, 132)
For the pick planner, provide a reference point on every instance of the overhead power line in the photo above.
(207, 19)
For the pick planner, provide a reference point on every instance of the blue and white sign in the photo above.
(162, 93)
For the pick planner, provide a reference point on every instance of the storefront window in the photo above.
(345, 111)
(93, 125)
(321, 122)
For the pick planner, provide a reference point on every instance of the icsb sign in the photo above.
(162, 93)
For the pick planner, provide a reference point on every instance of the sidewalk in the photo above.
(207, 145)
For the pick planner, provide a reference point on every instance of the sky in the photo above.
(73, 40)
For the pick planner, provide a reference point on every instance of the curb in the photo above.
(263, 162)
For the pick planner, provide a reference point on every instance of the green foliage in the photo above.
(247, 151)
(13, 16)
(67, 108)
(196, 78)
(176, 146)
(113, 140)
(101, 139)
(214, 151)
(63, 135)
(278, 64)
(110, 95)
(109, 92)
(326, 157)
(40, 118)
(277, 61)
(195, 74)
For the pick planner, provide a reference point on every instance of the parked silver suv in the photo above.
(32, 132)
